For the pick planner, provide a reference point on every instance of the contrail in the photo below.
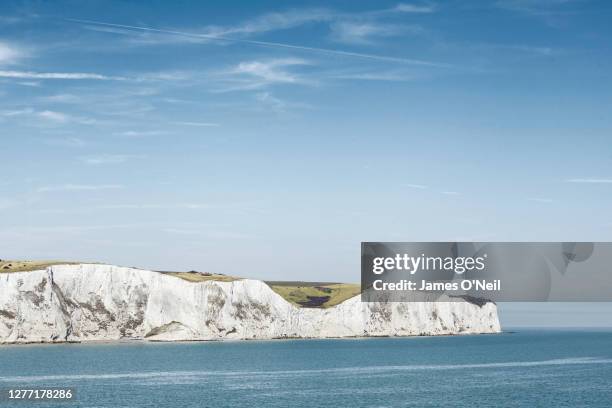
(269, 44)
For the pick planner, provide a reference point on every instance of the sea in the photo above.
(517, 368)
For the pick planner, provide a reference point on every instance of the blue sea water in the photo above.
(525, 368)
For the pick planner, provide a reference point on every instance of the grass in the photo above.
(315, 294)
(8, 266)
(194, 276)
(302, 294)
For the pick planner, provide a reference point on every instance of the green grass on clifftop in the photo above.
(194, 276)
(315, 294)
(25, 266)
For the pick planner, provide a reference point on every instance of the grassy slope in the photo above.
(304, 294)
(201, 276)
(24, 266)
(315, 294)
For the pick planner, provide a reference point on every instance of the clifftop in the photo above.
(302, 294)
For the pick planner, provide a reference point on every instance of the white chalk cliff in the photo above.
(102, 302)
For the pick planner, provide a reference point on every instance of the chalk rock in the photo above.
(92, 302)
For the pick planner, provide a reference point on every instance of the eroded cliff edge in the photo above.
(91, 302)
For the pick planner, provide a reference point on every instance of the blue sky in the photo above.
(268, 139)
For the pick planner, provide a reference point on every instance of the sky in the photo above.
(268, 139)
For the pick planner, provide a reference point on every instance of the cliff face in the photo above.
(102, 302)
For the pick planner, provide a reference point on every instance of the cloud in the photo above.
(127, 206)
(268, 44)
(250, 75)
(48, 116)
(551, 11)
(417, 186)
(62, 98)
(188, 206)
(53, 116)
(197, 124)
(218, 234)
(532, 5)
(270, 71)
(542, 51)
(590, 180)
(65, 142)
(28, 229)
(270, 100)
(140, 133)
(166, 76)
(450, 192)
(56, 75)
(108, 158)
(9, 54)
(28, 83)
(10, 20)
(265, 23)
(262, 24)
(274, 21)
(414, 8)
(79, 187)
(16, 112)
(540, 200)
(395, 76)
(268, 22)
(364, 32)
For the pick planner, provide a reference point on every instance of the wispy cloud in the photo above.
(536, 50)
(415, 8)
(48, 116)
(57, 75)
(364, 32)
(9, 54)
(542, 51)
(65, 141)
(165, 76)
(109, 159)
(219, 234)
(540, 200)
(270, 71)
(295, 47)
(62, 98)
(271, 101)
(197, 124)
(187, 206)
(127, 207)
(274, 22)
(53, 116)
(394, 76)
(552, 12)
(259, 25)
(590, 180)
(417, 186)
(140, 133)
(250, 75)
(10, 19)
(533, 6)
(71, 228)
(359, 23)
(79, 187)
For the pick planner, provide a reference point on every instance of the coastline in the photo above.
(276, 339)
